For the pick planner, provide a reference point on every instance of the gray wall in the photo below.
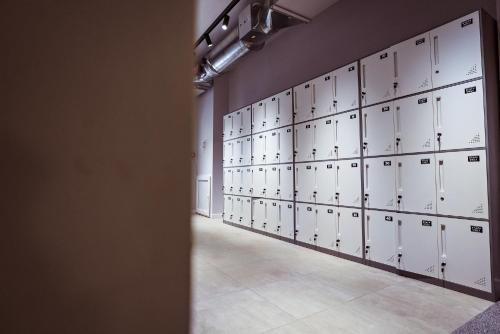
(204, 133)
(347, 31)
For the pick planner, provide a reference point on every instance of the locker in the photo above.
(272, 217)
(303, 108)
(227, 184)
(325, 182)
(378, 77)
(285, 227)
(259, 211)
(345, 88)
(417, 244)
(247, 181)
(325, 226)
(416, 183)
(349, 232)
(380, 183)
(325, 139)
(259, 148)
(285, 108)
(285, 144)
(259, 181)
(380, 237)
(227, 153)
(348, 182)
(238, 181)
(285, 182)
(414, 124)
(242, 122)
(272, 181)
(305, 225)
(305, 182)
(237, 209)
(456, 51)
(237, 152)
(259, 117)
(322, 95)
(246, 212)
(272, 110)
(461, 183)
(227, 127)
(228, 208)
(347, 135)
(459, 116)
(464, 250)
(412, 64)
(246, 151)
(304, 141)
(378, 129)
(272, 146)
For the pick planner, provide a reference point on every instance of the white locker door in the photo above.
(345, 88)
(272, 146)
(237, 209)
(285, 148)
(461, 181)
(247, 182)
(325, 139)
(238, 123)
(378, 129)
(259, 117)
(459, 116)
(305, 182)
(305, 225)
(272, 218)
(259, 211)
(380, 183)
(347, 135)
(417, 244)
(464, 249)
(322, 95)
(303, 102)
(416, 183)
(285, 226)
(259, 181)
(378, 77)
(228, 181)
(246, 121)
(380, 237)
(413, 65)
(259, 149)
(228, 208)
(414, 124)
(238, 181)
(285, 182)
(246, 212)
(237, 152)
(456, 51)
(272, 119)
(272, 181)
(246, 152)
(227, 153)
(348, 182)
(326, 228)
(325, 182)
(349, 232)
(285, 108)
(304, 141)
(227, 127)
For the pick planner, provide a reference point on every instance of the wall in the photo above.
(204, 133)
(347, 31)
(95, 140)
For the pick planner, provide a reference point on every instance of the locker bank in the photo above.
(371, 143)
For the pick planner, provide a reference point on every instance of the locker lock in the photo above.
(314, 150)
(442, 198)
(277, 154)
(363, 94)
(365, 145)
(315, 237)
(334, 102)
(336, 148)
(337, 242)
(398, 140)
(443, 264)
(278, 228)
(264, 224)
(337, 195)
(295, 152)
(399, 199)
(395, 85)
(439, 136)
(399, 257)
(296, 232)
(366, 249)
(366, 197)
(277, 191)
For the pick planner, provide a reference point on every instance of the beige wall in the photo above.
(95, 147)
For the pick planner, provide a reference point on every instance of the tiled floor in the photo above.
(244, 282)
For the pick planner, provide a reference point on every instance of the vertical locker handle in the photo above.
(279, 141)
(314, 95)
(365, 128)
(253, 116)
(441, 176)
(337, 177)
(439, 116)
(398, 236)
(400, 178)
(279, 213)
(265, 111)
(338, 224)
(279, 177)
(296, 178)
(395, 64)
(363, 75)
(366, 176)
(443, 241)
(398, 120)
(436, 50)
(296, 138)
(337, 132)
(295, 101)
(335, 86)
(368, 228)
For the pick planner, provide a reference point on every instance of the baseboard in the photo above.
(216, 216)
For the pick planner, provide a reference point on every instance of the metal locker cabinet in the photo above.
(237, 151)
(246, 212)
(259, 181)
(380, 183)
(464, 249)
(380, 237)
(456, 51)
(272, 119)
(303, 108)
(272, 146)
(322, 95)
(345, 88)
(238, 181)
(349, 232)
(285, 226)
(326, 232)
(378, 129)
(259, 148)
(285, 108)
(272, 218)
(259, 117)
(247, 183)
(325, 182)
(285, 144)
(347, 135)
(227, 183)
(348, 182)
(259, 211)
(304, 141)
(324, 140)
(285, 182)
(459, 116)
(272, 181)
(228, 208)
(246, 121)
(417, 244)
(305, 182)
(416, 183)
(461, 182)
(414, 124)
(305, 225)
(246, 155)
(237, 209)
(377, 77)
(227, 126)
(412, 64)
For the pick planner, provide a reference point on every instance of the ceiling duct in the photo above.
(256, 23)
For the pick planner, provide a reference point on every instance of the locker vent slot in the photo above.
(472, 70)
(430, 269)
(481, 281)
(479, 209)
(391, 259)
(476, 139)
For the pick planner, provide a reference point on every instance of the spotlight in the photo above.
(225, 22)
(209, 41)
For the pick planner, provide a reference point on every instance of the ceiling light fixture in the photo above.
(225, 22)
(209, 41)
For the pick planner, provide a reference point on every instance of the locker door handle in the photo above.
(363, 78)
(436, 51)
(295, 103)
(365, 127)
(336, 132)
(313, 97)
(334, 89)
(366, 179)
(443, 247)
(441, 178)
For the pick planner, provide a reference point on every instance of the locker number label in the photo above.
(387, 163)
(473, 158)
(261, 202)
(354, 164)
(329, 166)
(352, 68)
(289, 206)
(287, 93)
(274, 203)
(426, 223)
(353, 116)
(477, 229)
(470, 90)
(467, 22)
(308, 167)
(309, 208)
(248, 139)
(274, 134)
(384, 109)
(289, 168)
(330, 210)
(383, 55)
(424, 100)
(288, 130)
(420, 41)
(308, 126)
(306, 86)
(328, 122)
(388, 218)
(355, 214)
(273, 99)
(261, 169)
(425, 161)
